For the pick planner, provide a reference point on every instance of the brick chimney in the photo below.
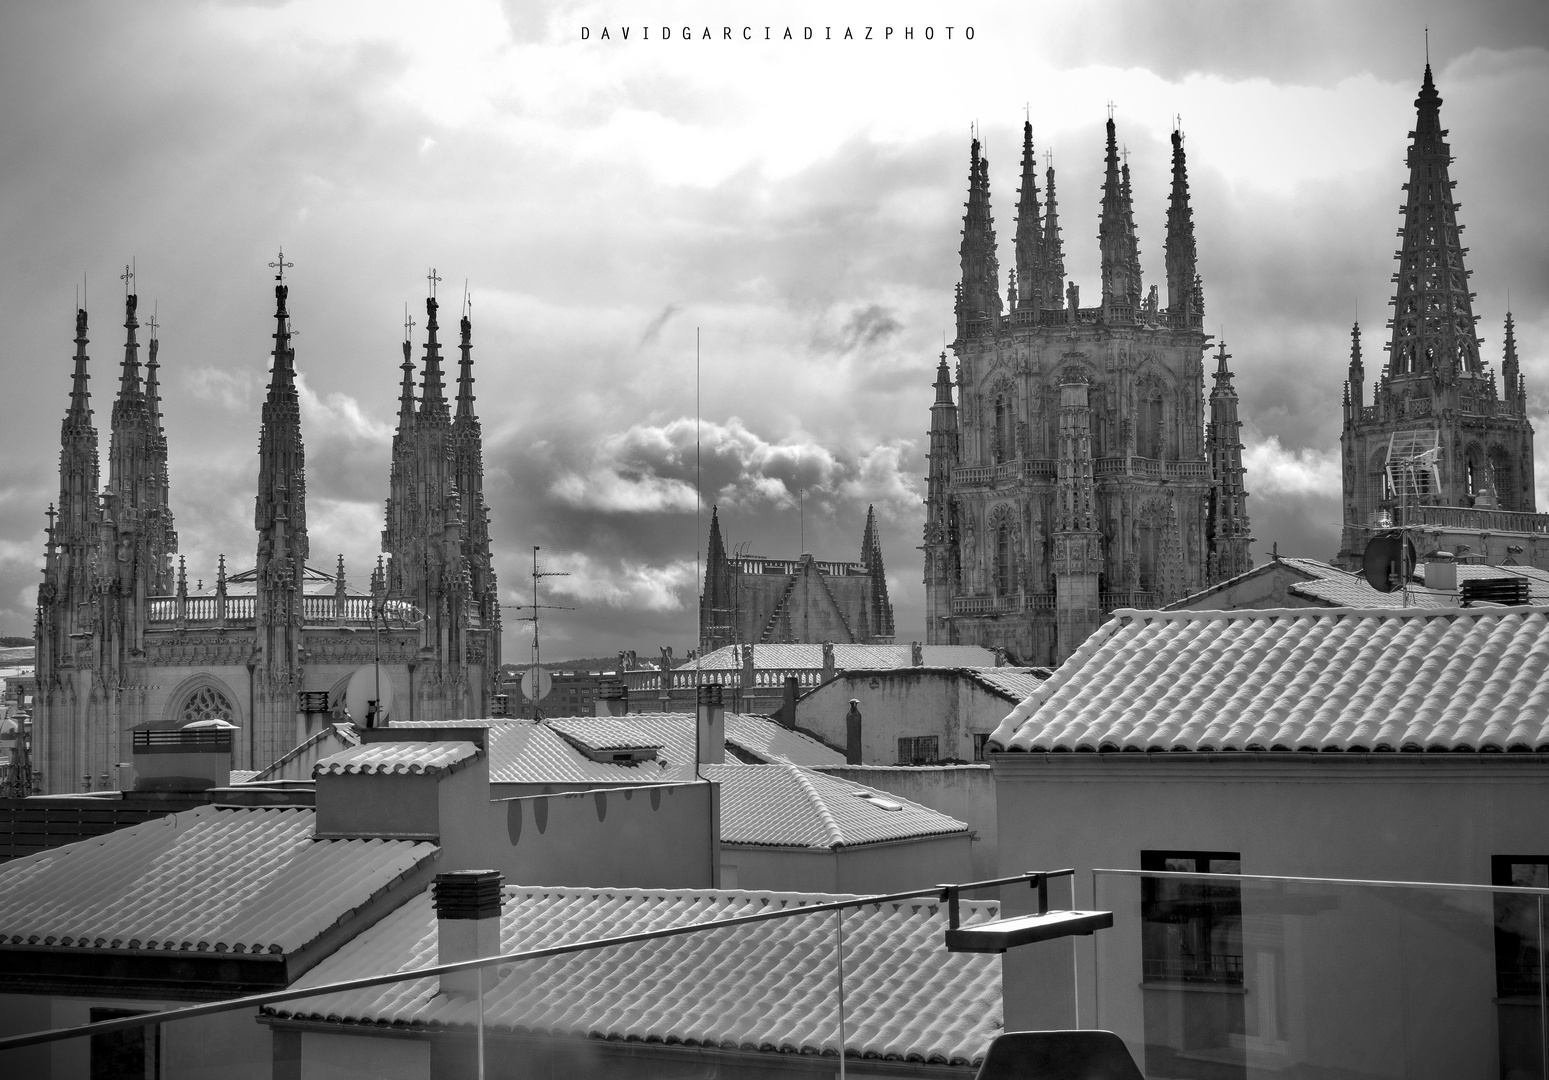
(467, 925)
(711, 727)
(613, 699)
(1441, 572)
(852, 733)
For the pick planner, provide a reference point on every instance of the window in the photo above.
(206, 703)
(1191, 931)
(979, 741)
(1004, 571)
(918, 750)
(1516, 923)
(131, 1054)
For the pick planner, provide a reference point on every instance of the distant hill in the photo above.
(14, 642)
(585, 663)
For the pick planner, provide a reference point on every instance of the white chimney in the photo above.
(467, 925)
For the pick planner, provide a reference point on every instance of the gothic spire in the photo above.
(280, 514)
(129, 379)
(1131, 242)
(153, 383)
(1226, 513)
(1053, 248)
(80, 391)
(980, 297)
(1182, 260)
(943, 382)
(1511, 372)
(880, 614)
(465, 372)
(406, 390)
(432, 390)
(1433, 319)
(717, 603)
(1356, 384)
(1029, 243)
(1115, 235)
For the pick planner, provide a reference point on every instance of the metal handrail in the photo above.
(1453, 886)
(188, 1012)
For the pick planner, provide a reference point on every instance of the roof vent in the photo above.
(1495, 590)
(878, 801)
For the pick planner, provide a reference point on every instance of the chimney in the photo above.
(612, 699)
(788, 703)
(194, 757)
(710, 731)
(467, 925)
(852, 733)
(1441, 572)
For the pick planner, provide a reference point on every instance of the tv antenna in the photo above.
(536, 682)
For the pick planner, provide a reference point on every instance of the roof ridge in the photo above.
(836, 836)
(1247, 614)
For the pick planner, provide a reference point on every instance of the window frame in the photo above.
(1207, 915)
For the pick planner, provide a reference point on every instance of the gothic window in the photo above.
(1149, 543)
(205, 703)
(1500, 472)
(1004, 571)
(1004, 437)
(1148, 440)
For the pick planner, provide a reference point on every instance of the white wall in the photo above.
(1406, 817)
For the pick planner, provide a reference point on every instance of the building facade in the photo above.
(122, 641)
(1442, 443)
(753, 600)
(1076, 466)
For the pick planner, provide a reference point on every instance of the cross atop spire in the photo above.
(127, 277)
(280, 267)
(152, 325)
(408, 322)
(433, 278)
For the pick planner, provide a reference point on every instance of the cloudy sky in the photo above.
(791, 205)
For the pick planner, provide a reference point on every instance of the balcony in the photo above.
(1201, 975)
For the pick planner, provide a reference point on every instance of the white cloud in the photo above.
(625, 584)
(1274, 470)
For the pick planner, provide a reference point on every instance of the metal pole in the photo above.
(481, 1024)
(1543, 1002)
(839, 928)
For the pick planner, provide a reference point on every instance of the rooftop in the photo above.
(1465, 679)
(398, 757)
(787, 806)
(212, 879)
(763, 987)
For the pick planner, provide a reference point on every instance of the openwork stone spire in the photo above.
(1030, 267)
(1116, 240)
(1226, 521)
(1053, 248)
(1433, 319)
(1182, 260)
(980, 290)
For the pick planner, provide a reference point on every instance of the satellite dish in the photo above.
(1380, 564)
(536, 683)
(361, 695)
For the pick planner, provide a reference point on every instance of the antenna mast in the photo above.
(535, 607)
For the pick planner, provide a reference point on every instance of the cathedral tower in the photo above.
(1439, 432)
(1072, 475)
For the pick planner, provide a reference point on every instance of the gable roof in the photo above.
(539, 752)
(1319, 583)
(786, 806)
(767, 986)
(1297, 679)
(846, 657)
(214, 879)
(1012, 683)
(297, 763)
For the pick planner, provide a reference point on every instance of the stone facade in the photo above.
(1461, 443)
(1074, 468)
(122, 641)
(752, 600)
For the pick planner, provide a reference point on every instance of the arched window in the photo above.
(1004, 437)
(1004, 571)
(205, 703)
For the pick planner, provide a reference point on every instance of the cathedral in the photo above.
(753, 600)
(1076, 464)
(124, 644)
(1442, 444)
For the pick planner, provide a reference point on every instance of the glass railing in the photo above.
(590, 983)
(1232, 977)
